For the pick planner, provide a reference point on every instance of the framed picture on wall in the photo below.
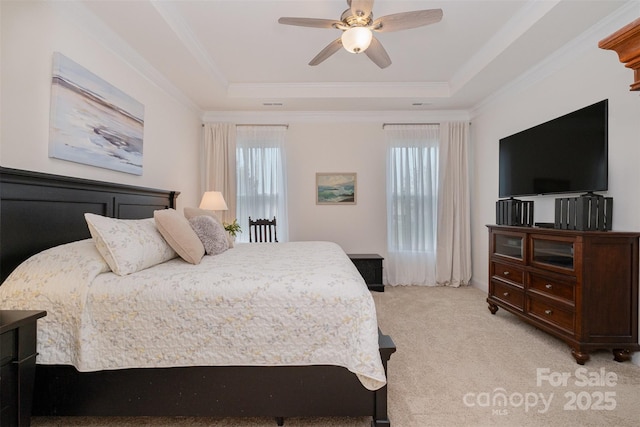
(336, 188)
(93, 122)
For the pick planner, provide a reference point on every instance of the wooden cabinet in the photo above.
(18, 365)
(370, 267)
(580, 286)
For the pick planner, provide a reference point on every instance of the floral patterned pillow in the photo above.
(128, 245)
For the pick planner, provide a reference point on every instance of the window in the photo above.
(412, 202)
(261, 177)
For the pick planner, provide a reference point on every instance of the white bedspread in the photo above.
(298, 303)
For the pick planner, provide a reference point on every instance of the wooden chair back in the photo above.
(263, 230)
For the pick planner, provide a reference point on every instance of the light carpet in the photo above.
(458, 365)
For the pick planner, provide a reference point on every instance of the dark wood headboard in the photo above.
(39, 211)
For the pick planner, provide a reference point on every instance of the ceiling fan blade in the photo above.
(331, 48)
(377, 54)
(361, 8)
(309, 22)
(407, 20)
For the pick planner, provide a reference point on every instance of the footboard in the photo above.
(224, 391)
(387, 348)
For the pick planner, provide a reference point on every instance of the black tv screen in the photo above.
(564, 155)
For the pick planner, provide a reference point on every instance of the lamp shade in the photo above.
(213, 201)
(357, 39)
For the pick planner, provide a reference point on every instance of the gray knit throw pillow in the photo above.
(211, 233)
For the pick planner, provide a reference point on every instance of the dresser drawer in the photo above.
(552, 287)
(508, 294)
(555, 314)
(508, 272)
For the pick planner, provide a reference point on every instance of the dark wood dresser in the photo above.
(580, 286)
(370, 267)
(18, 359)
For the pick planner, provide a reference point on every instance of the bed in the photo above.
(42, 213)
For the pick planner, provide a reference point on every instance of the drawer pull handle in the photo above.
(506, 273)
(548, 286)
(548, 312)
(506, 294)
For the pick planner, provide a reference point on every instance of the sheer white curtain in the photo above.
(261, 177)
(412, 200)
(453, 266)
(218, 166)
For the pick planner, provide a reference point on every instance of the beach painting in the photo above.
(93, 122)
(335, 188)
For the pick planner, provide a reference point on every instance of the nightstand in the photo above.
(18, 365)
(370, 267)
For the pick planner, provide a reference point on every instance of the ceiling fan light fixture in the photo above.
(356, 39)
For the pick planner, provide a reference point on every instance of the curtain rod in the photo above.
(286, 126)
(408, 124)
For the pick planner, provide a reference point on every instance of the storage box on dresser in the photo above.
(580, 286)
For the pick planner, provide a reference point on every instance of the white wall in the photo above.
(31, 32)
(338, 147)
(338, 142)
(592, 76)
(576, 80)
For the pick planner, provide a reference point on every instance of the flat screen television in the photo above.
(568, 154)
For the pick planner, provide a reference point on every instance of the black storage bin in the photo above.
(514, 212)
(589, 212)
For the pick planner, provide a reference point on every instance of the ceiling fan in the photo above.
(357, 25)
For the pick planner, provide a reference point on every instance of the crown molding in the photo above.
(279, 117)
(562, 57)
(174, 20)
(86, 21)
(81, 17)
(527, 16)
(340, 90)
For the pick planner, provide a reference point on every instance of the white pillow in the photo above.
(128, 245)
